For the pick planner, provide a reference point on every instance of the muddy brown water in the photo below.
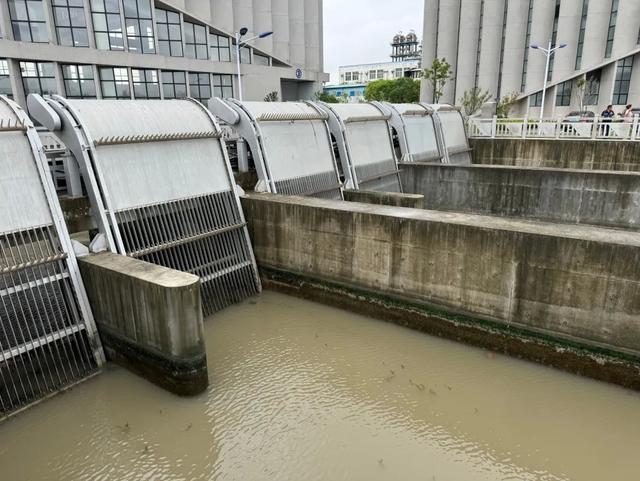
(301, 391)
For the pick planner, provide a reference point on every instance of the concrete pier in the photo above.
(557, 153)
(557, 294)
(149, 319)
(609, 199)
(397, 199)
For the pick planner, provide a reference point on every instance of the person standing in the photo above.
(607, 117)
(628, 114)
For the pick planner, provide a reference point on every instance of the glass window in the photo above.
(223, 86)
(114, 82)
(536, 99)
(169, 33)
(146, 84)
(79, 82)
(563, 94)
(554, 39)
(479, 47)
(583, 27)
(200, 86)
(71, 26)
(527, 42)
(245, 54)
(38, 78)
(259, 59)
(611, 33)
(5, 80)
(220, 48)
(592, 90)
(137, 17)
(623, 81)
(195, 37)
(28, 21)
(174, 85)
(106, 24)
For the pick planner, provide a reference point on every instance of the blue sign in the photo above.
(298, 73)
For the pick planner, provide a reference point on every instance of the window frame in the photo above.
(218, 83)
(169, 43)
(622, 85)
(109, 32)
(146, 83)
(190, 29)
(38, 76)
(16, 22)
(564, 91)
(173, 83)
(67, 79)
(115, 81)
(199, 85)
(147, 41)
(218, 49)
(611, 31)
(5, 78)
(65, 6)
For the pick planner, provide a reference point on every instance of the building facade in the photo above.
(159, 49)
(487, 43)
(351, 93)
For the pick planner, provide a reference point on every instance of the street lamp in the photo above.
(239, 44)
(548, 52)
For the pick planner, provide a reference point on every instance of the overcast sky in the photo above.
(359, 31)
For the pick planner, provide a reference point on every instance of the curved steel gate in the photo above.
(161, 186)
(47, 334)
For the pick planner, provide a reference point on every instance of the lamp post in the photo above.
(239, 44)
(548, 52)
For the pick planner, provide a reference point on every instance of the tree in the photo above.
(438, 75)
(398, 91)
(505, 104)
(271, 97)
(473, 100)
(328, 98)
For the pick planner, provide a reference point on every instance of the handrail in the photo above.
(596, 128)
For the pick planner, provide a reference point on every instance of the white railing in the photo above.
(594, 129)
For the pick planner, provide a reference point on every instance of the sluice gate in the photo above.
(47, 333)
(365, 145)
(454, 133)
(161, 187)
(290, 144)
(419, 133)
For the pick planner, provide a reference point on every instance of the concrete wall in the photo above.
(385, 198)
(149, 319)
(578, 284)
(569, 154)
(609, 199)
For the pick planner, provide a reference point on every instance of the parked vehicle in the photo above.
(580, 116)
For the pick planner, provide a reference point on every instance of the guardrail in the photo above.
(593, 129)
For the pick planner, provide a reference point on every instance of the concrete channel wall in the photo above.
(414, 201)
(558, 153)
(573, 287)
(149, 319)
(610, 199)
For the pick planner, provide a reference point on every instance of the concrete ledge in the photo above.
(385, 198)
(574, 285)
(609, 199)
(150, 320)
(558, 153)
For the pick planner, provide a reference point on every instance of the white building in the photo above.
(368, 72)
(487, 43)
(159, 49)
